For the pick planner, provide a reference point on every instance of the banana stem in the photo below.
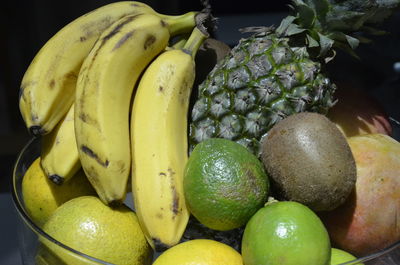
(181, 24)
(180, 42)
(194, 42)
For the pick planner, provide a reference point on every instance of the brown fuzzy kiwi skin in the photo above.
(309, 161)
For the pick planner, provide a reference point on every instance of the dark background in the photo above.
(27, 24)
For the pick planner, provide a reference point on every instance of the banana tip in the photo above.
(56, 179)
(36, 130)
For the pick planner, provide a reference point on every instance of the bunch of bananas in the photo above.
(110, 93)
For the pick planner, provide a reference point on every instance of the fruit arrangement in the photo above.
(248, 155)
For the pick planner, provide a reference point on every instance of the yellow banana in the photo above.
(48, 85)
(60, 159)
(159, 143)
(103, 96)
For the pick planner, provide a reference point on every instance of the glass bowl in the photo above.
(31, 237)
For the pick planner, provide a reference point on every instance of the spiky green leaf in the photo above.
(373, 31)
(353, 42)
(288, 27)
(306, 16)
(344, 39)
(363, 39)
(347, 49)
(321, 7)
(285, 24)
(326, 44)
(311, 42)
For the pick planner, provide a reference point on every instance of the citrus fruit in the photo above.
(339, 256)
(42, 197)
(200, 252)
(95, 229)
(285, 233)
(224, 184)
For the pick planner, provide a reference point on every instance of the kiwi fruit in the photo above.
(309, 161)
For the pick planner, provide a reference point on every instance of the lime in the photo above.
(224, 184)
(95, 229)
(339, 256)
(285, 233)
(200, 252)
(42, 197)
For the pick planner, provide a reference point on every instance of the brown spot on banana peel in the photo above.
(52, 84)
(164, 24)
(85, 118)
(89, 152)
(175, 196)
(150, 40)
(115, 30)
(159, 215)
(123, 40)
(118, 27)
(175, 202)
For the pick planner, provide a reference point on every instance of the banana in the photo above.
(60, 159)
(104, 88)
(160, 145)
(48, 85)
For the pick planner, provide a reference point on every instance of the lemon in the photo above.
(200, 252)
(285, 233)
(95, 229)
(42, 197)
(339, 256)
(224, 184)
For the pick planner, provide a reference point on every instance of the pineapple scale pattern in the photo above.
(260, 82)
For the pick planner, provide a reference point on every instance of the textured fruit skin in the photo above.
(369, 220)
(200, 251)
(159, 143)
(42, 197)
(261, 81)
(285, 233)
(87, 225)
(48, 85)
(224, 184)
(309, 161)
(104, 90)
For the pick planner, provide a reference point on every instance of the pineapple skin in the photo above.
(264, 79)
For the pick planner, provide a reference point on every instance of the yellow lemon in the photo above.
(42, 197)
(89, 226)
(200, 252)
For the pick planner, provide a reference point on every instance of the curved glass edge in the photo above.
(374, 255)
(21, 211)
(17, 201)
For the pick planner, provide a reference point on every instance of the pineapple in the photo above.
(277, 72)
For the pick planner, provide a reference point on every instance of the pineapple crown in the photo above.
(335, 23)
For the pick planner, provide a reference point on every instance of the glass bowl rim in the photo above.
(21, 211)
(24, 215)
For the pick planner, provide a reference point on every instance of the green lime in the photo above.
(285, 233)
(224, 184)
(339, 256)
